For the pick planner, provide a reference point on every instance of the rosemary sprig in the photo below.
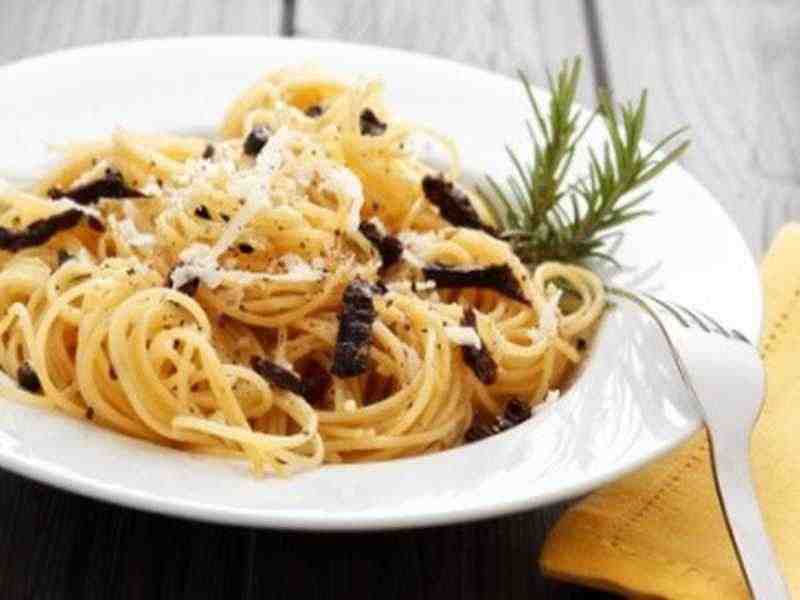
(546, 218)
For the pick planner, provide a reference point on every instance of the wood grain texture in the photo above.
(729, 69)
(500, 36)
(29, 27)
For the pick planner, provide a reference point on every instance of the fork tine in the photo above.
(740, 336)
(716, 324)
(684, 316)
(669, 309)
(700, 323)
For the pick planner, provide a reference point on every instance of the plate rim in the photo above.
(72, 482)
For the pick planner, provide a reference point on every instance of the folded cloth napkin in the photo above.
(659, 533)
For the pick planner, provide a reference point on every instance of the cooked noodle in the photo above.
(150, 327)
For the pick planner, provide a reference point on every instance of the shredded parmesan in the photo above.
(297, 270)
(197, 261)
(134, 237)
(151, 187)
(463, 336)
(406, 286)
(252, 185)
(549, 316)
(416, 246)
(70, 204)
(341, 182)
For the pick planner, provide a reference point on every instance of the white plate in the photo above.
(626, 409)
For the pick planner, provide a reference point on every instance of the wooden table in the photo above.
(728, 68)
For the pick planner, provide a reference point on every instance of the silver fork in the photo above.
(724, 373)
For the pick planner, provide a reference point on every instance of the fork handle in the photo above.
(757, 559)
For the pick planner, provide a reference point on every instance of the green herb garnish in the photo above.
(543, 216)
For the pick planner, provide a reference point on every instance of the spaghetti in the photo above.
(304, 290)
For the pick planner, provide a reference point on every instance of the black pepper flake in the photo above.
(224, 217)
(389, 247)
(202, 212)
(63, 256)
(28, 379)
(581, 344)
(256, 140)
(111, 185)
(453, 204)
(208, 152)
(351, 354)
(246, 248)
(370, 123)
(478, 359)
(90, 413)
(313, 387)
(314, 111)
(40, 231)
(499, 278)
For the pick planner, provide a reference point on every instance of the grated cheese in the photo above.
(127, 229)
(150, 187)
(407, 286)
(253, 186)
(297, 270)
(197, 261)
(416, 246)
(463, 336)
(65, 203)
(549, 315)
(343, 182)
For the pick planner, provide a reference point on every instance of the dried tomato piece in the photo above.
(499, 278)
(28, 379)
(42, 230)
(278, 376)
(351, 355)
(478, 359)
(389, 247)
(453, 204)
(111, 185)
(313, 386)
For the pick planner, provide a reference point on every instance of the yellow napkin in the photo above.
(659, 533)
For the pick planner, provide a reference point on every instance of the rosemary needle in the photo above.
(543, 216)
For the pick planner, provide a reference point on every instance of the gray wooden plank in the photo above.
(486, 560)
(729, 69)
(501, 36)
(30, 28)
(57, 545)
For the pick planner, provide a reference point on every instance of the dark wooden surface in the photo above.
(727, 68)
